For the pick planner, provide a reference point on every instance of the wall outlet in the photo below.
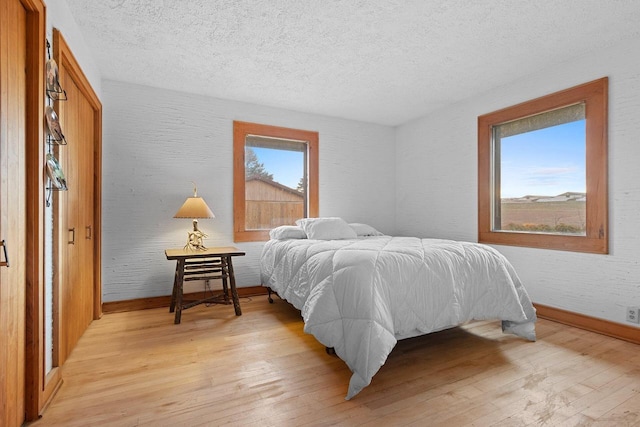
(633, 314)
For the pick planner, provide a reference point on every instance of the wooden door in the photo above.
(76, 215)
(12, 211)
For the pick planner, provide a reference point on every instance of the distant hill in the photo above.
(569, 196)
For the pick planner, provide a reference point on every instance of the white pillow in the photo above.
(326, 228)
(287, 232)
(364, 229)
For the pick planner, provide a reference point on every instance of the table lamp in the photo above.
(195, 207)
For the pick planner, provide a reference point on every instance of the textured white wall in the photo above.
(436, 166)
(156, 141)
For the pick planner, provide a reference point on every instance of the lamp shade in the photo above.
(194, 207)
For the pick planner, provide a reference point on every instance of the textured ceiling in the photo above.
(380, 61)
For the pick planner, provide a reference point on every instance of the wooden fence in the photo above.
(262, 214)
(270, 204)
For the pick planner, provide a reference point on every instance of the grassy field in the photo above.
(565, 217)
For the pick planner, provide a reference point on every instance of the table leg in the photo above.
(234, 291)
(225, 275)
(179, 282)
(175, 289)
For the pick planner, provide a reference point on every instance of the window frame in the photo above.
(595, 96)
(240, 132)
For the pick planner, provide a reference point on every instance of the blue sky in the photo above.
(546, 162)
(286, 166)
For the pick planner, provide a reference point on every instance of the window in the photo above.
(275, 178)
(542, 172)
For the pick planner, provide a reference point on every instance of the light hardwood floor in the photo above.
(138, 368)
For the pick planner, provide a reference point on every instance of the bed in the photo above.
(359, 291)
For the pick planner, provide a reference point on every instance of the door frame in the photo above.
(35, 391)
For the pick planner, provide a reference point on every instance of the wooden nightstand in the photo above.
(212, 263)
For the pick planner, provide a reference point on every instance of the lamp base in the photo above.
(195, 239)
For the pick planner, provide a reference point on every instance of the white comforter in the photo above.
(361, 296)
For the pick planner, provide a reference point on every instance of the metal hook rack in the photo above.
(54, 93)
